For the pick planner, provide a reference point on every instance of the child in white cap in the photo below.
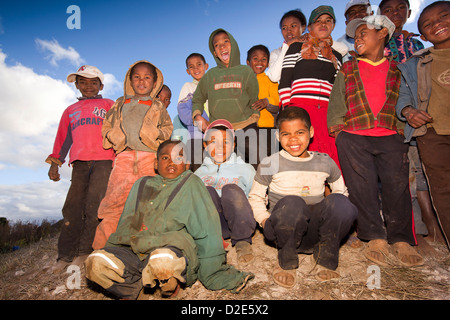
(369, 139)
(80, 132)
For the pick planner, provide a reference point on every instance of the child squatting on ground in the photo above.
(362, 117)
(300, 219)
(169, 234)
(80, 131)
(134, 127)
(229, 179)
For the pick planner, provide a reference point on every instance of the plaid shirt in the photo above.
(349, 108)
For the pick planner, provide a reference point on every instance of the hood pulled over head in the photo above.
(235, 55)
(128, 89)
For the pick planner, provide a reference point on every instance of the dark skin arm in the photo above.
(416, 118)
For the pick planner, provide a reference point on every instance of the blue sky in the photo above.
(38, 50)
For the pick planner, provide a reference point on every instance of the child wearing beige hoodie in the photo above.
(135, 126)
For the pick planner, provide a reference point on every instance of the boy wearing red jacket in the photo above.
(80, 132)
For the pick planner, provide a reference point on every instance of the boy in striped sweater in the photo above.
(309, 69)
(299, 218)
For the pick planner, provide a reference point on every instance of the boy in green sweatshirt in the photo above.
(230, 89)
(169, 234)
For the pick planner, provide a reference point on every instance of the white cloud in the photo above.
(112, 88)
(57, 52)
(33, 202)
(416, 6)
(31, 106)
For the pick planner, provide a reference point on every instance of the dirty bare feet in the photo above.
(59, 266)
(425, 249)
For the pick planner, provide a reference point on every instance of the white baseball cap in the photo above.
(87, 72)
(352, 3)
(377, 21)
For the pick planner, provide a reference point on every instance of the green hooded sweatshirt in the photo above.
(190, 223)
(230, 91)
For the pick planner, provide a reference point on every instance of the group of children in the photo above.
(152, 200)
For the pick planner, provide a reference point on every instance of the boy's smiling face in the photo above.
(294, 137)
(196, 68)
(89, 87)
(171, 162)
(368, 39)
(259, 61)
(222, 47)
(434, 26)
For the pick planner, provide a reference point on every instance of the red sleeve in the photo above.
(63, 140)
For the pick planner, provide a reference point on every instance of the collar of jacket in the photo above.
(99, 96)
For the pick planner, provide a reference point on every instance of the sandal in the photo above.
(244, 252)
(407, 255)
(287, 274)
(322, 273)
(377, 251)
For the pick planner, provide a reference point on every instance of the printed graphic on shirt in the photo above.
(444, 78)
(228, 85)
(211, 181)
(76, 120)
(101, 113)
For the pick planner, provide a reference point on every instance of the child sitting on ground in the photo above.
(229, 179)
(300, 219)
(362, 117)
(169, 233)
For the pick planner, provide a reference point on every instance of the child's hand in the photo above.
(293, 40)
(201, 122)
(416, 118)
(53, 173)
(261, 104)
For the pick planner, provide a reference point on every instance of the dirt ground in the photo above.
(25, 275)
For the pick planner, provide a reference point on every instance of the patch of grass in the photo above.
(14, 235)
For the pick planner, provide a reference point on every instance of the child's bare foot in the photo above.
(425, 249)
(285, 278)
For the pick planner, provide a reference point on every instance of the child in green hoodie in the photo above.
(230, 89)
